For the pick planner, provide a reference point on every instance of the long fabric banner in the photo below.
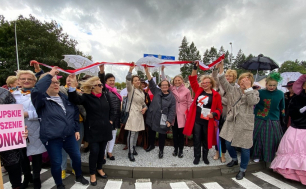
(166, 63)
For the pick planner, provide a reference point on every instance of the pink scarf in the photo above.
(113, 90)
(97, 95)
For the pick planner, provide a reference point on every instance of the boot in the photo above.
(27, 179)
(174, 152)
(180, 154)
(150, 148)
(37, 183)
(134, 151)
(205, 153)
(131, 157)
(161, 154)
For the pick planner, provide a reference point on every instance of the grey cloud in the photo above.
(274, 28)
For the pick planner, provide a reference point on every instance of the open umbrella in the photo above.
(77, 61)
(260, 63)
(150, 61)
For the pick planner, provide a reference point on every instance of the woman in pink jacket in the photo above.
(183, 101)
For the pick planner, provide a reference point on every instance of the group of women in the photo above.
(59, 116)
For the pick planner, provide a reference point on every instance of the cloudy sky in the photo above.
(123, 30)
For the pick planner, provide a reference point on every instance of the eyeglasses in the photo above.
(26, 79)
(55, 83)
(164, 85)
(99, 85)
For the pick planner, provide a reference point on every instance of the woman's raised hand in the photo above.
(101, 68)
(54, 71)
(132, 67)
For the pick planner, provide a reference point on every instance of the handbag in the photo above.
(163, 118)
(124, 114)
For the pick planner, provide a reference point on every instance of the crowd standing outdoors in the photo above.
(266, 124)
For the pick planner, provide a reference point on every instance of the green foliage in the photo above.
(188, 53)
(141, 75)
(293, 66)
(156, 74)
(41, 41)
(120, 85)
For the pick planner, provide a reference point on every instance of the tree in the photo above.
(184, 52)
(141, 75)
(41, 41)
(193, 55)
(292, 66)
(156, 74)
(123, 85)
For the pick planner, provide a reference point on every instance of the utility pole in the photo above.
(231, 54)
(16, 46)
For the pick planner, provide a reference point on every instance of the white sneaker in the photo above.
(256, 160)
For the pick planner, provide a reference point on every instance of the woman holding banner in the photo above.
(35, 148)
(239, 124)
(183, 102)
(11, 159)
(59, 125)
(137, 107)
(161, 114)
(206, 107)
(98, 125)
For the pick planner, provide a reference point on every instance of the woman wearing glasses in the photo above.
(205, 108)
(161, 114)
(59, 125)
(98, 126)
(35, 148)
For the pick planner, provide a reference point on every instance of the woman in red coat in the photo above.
(205, 108)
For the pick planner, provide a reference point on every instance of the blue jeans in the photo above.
(245, 155)
(54, 148)
(64, 153)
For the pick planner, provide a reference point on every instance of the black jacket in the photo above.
(153, 115)
(54, 123)
(115, 104)
(298, 119)
(287, 102)
(97, 125)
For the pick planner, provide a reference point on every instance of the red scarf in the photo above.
(97, 95)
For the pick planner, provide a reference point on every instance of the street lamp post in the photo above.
(231, 54)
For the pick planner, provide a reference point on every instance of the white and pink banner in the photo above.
(11, 127)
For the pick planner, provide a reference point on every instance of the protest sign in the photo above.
(11, 127)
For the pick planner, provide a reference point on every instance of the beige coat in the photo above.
(222, 93)
(135, 121)
(239, 125)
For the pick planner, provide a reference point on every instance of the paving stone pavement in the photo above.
(150, 159)
(265, 179)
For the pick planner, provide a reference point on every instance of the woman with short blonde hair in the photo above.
(239, 124)
(98, 123)
(11, 82)
(87, 85)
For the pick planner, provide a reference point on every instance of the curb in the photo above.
(171, 172)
